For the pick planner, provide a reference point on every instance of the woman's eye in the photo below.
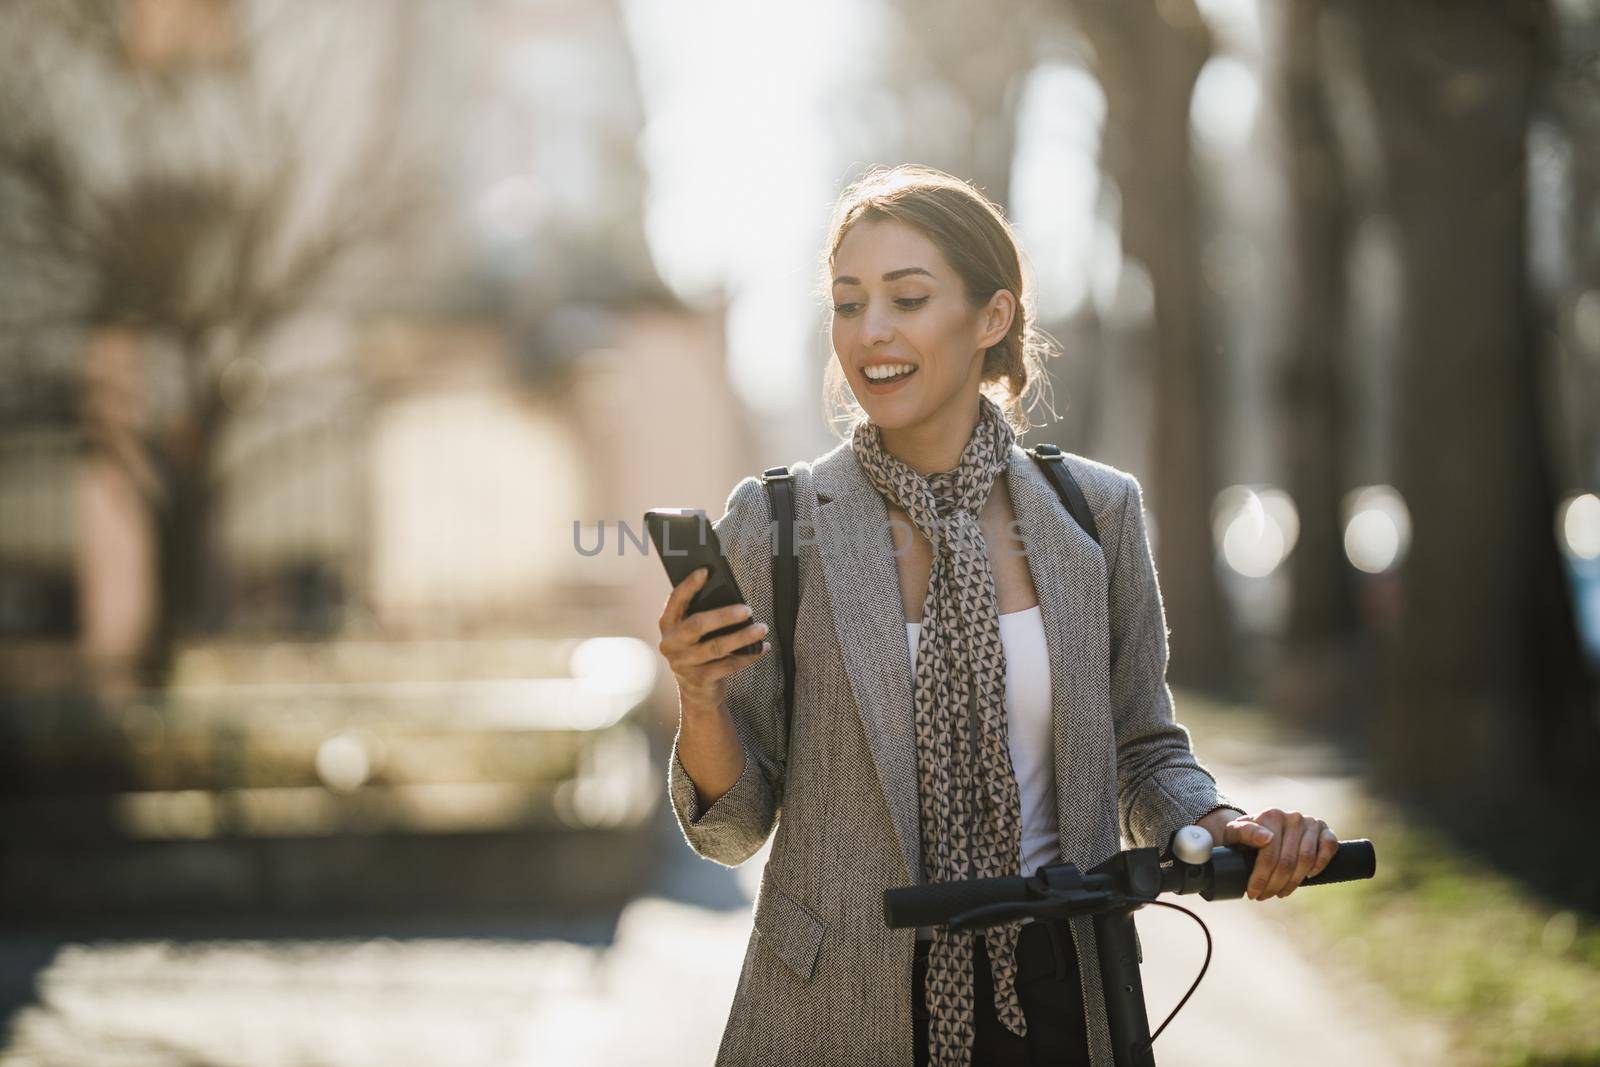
(908, 303)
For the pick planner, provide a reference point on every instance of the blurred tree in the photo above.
(1573, 153)
(956, 76)
(191, 175)
(1488, 699)
(1311, 683)
(1147, 56)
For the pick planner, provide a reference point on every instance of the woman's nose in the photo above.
(875, 329)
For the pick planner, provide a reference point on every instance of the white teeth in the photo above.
(886, 370)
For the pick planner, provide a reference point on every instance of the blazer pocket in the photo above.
(789, 929)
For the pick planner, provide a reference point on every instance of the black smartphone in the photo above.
(686, 541)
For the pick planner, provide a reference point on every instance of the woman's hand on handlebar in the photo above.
(1291, 847)
(702, 667)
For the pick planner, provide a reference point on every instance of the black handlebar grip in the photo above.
(936, 902)
(1231, 867)
(1354, 861)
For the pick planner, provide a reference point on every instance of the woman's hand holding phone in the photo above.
(701, 667)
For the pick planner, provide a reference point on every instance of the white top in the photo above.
(1027, 703)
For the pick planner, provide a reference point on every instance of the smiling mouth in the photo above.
(891, 379)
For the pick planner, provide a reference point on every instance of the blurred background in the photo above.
(343, 346)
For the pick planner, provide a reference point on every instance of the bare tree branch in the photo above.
(203, 205)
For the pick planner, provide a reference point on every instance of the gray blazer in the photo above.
(824, 981)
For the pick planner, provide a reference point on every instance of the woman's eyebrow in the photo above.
(850, 279)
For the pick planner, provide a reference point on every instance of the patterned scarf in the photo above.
(971, 813)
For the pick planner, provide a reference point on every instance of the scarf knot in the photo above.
(946, 495)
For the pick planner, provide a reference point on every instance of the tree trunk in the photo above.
(1575, 101)
(1312, 678)
(1148, 62)
(983, 64)
(1487, 693)
(186, 557)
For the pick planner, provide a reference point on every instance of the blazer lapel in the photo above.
(1069, 575)
(869, 616)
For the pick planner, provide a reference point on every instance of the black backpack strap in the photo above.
(785, 573)
(1054, 464)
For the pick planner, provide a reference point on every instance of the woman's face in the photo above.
(897, 303)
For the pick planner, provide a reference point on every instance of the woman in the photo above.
(970, 700)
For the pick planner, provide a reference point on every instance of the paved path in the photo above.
(1272, 995)
(653, 988)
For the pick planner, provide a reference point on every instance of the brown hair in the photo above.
(972, 234)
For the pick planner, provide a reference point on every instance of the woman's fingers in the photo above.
(1300, 847)
(1269, 856)
(1266, 858)
(1310, 832)
(1246, 831)
(1327, 846)
(697, 653)
(701, 623)
(684, 638)
(701, 665)
(1288, 854)
(735, 662)
(678, 599)
(730, 643)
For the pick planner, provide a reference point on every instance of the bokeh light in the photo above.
(1580, 526)
(1254, 529)
(622, 667)
(1377, 529)
(343, 762)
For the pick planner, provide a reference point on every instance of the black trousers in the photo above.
(1048, 987)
